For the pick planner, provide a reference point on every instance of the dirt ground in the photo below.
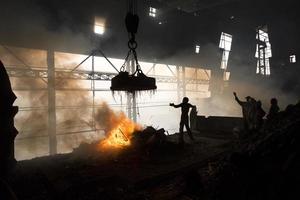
(160, 172)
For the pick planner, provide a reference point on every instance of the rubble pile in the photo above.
(154, 166)
(264, 166)
(147, 139)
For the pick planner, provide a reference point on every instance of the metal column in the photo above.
(181, 88)
(51, 103)
(183, 82)
(131, 97)
(93, 92)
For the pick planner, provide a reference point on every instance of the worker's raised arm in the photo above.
(175, 106)
(237, 99)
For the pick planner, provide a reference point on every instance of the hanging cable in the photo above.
(137, 80)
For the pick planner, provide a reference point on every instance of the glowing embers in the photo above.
(131, 83)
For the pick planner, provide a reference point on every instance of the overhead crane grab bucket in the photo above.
(137, 81)
(131, 83)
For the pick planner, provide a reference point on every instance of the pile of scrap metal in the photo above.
(145, 141)
(265, 165)
(149, 137)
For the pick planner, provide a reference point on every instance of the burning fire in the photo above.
(119, 129)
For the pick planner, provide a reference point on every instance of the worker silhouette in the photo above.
(248, 110)
(260, 113)
(184, 120)
(274, 109)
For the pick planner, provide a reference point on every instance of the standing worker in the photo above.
(274, 109)
(184, 120)
(248, 110)
(260, 113)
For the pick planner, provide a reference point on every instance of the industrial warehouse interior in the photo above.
(149, 99)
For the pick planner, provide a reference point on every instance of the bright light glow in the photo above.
(224, 61)
(225, 44)
(197, 49)
(99, 30)
(150, 106)
(263, 52)
(99, 27)
(152, 12)
(226, 76)
(225, 41)
(120, 130)
(293, 59)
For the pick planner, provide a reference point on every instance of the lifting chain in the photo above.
(132, 23)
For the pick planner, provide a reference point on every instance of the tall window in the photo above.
(152, 12)
(226, 76)
(292, 58)
(225, 44)
(197, 49)
(99, 25)
(263, 52)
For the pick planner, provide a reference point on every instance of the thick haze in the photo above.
(67, 26)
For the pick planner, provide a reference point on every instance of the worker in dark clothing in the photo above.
(274, 109)
(8, 132)
(184, 120)
(260, 113)
(249, 111)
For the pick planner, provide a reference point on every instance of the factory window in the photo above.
(263, 52)
(225, 44)
(99, 26)
(225, 41)
(226, 76)
(224, 61)
(152, 12)
(197, 49)
(293, 59)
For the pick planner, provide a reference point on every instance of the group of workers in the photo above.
(252, 110)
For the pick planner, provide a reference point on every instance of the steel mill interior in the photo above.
(149, 100)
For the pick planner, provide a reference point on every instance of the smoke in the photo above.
(45, 24)
(32, 25)
(73, 114)
(106, 118)
(38, 24)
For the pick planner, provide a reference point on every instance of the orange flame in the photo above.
(120, 130)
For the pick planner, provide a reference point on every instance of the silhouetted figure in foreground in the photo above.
(274, 109)
(249, 111)
(7, 130)
(260, 113)
(184, 120)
